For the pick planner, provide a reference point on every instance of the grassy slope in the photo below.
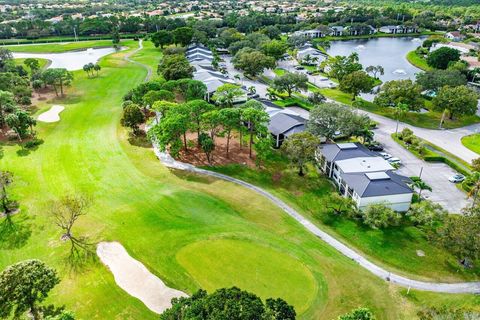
(60, 47)
(472, 142)
(42, 62)
(149, 56)
(156, 214)
(395, 248)
(418, 61)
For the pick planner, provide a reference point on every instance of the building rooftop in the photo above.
(376, 184)
(334, 152)
(363, 164)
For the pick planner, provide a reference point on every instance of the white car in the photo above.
(394, 161)
(457, 178)
(385, 155)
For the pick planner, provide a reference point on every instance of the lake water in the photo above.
(390, 53)
(71, 60)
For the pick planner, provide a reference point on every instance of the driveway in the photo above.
(232, 72)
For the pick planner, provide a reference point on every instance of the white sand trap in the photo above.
(133, 277)
(52, 115)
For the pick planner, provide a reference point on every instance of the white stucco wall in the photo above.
(398, 202)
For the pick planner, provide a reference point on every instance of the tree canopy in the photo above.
(290, 82)
(174, 67)
(442, 57)
(231, 303)
(457, 100)
(400, 91)
(252, 62)
(23, 285)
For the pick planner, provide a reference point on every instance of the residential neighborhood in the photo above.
(239, 160)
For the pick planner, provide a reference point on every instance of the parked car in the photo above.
(457, 178)
(299, 68)
(309, 72)
(375, 147)
(394, 161)
(385, 155)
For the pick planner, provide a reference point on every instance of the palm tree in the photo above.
(474, 181)
(97, 68)
(420, 185)
(399, 110)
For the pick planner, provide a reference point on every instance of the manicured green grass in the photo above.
(157, 214)
(242, 267)
(418, 61)
(149, 56)
(279, 71)
(472, 142)
(62, 47)
(395, 248)
(42, 62)
(428, 120)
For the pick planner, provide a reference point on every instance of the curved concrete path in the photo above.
(128, 58)
(465, 287)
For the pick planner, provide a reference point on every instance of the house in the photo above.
(337, 31)
(308, 54)
(311, 34)
(360, 29)
(363, 176)
(454, 36)
(200, 57)
(399, 29)
(283, 122)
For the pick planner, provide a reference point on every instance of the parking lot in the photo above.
(435, 175)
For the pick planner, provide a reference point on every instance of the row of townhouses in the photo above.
(339, 31)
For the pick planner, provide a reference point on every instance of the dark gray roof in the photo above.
(281, 122)
(366, 187)
(333, 152)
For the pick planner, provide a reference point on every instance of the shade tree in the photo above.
(379, 216)
(257, 121)
(339, 66)
(162, 38)
(230, 118)
(375, 70)
(300, 149)
(228, 303)
(290, 82)
(252, 62)
(400, 91)
(132, 117)
(175, 66)
(23, 286)
(328, 120)
(458, 101)
(356, 82)
(58, 78)
(442, 57)
(437, 79)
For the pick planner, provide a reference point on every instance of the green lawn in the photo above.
(62, 47)
(472, 142)
(418, 61)
(428, 120)
(395, 248)
(42, 62)
(149, 56)
(162, 216)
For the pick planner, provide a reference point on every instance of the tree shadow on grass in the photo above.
(193, 177)
(14, 234)
(140, 140)
(29, 146)
(81, 255)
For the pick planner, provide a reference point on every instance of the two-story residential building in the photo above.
(364, 176)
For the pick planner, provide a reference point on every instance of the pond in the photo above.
(390, 53)
(71, 60)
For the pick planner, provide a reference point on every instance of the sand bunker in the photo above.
(52, 115)
(133, 277)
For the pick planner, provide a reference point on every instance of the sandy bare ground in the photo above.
(52, 115)
(133, 277)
